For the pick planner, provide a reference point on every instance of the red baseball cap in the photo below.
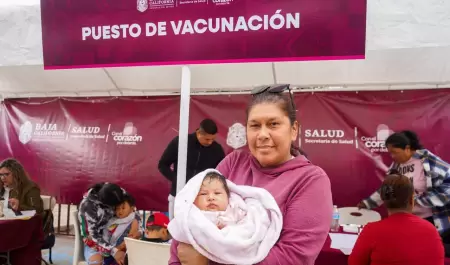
(158, 219)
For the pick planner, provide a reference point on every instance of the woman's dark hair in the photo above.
(109, 194)
(397, 191)
(403, 139)
(216, 176)
(18, 172)
(283, 102)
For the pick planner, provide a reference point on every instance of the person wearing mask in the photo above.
(275, 164)
(431, 181)
(402, 238)
(203, 152)
(20, 192)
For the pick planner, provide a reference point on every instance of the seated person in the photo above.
(225, 222)
(120, 226)
(156, 228)
(96, 209)
(20, 192)
(402, 238)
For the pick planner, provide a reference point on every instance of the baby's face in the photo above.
(212, 196)
(123, 210)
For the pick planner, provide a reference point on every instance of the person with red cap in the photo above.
(156, 228)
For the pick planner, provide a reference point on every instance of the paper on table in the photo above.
(10, 215)
(343, 242)
(28, 213)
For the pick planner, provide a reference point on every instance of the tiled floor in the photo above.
(62, 253)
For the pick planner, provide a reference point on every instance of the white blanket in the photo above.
(247, 242)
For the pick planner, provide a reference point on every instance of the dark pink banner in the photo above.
(86, 33)
(69, 144)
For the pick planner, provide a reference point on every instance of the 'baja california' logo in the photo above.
(25, 132)
(236, 137)
(142, 5)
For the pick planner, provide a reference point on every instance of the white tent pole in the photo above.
(184, 126)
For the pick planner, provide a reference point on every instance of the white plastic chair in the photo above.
(351, 215)
(142, 252)
(49, 202)
(78, 250)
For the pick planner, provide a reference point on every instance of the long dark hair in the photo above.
(403, 139)
(283, 102)
(109, 194)
(18, 172)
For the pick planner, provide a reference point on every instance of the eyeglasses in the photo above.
(276, 89)
(4, 175)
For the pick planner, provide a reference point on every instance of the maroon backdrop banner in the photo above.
(69, 144)
(86, 33)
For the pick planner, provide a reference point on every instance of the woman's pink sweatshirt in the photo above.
(303, 193)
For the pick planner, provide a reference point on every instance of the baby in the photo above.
(213, 200)
(225, 222)
(119, 227)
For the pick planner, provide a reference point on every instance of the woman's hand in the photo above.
(14, 203)
(361, 205)
(120, 257)
(189, 256)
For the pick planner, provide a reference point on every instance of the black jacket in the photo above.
(199, 158)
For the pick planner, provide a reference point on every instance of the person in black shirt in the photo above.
(203, 152)
(156, 228)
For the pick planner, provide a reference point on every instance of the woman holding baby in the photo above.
(106, 216)
(301, 189)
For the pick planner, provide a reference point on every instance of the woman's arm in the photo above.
(374, 200)
(439, 171)
(363, 248)
(32, 201)
(306, 223)
(92, 227)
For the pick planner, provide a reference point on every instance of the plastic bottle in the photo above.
(335, 222)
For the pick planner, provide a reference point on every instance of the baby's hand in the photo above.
(220, 226)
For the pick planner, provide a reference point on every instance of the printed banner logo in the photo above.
(222, 2)
(142, 5)
(82, 132)
(159, 4)
(376, 143)
(186, 2)
(321, 136)
(26, 132)
(236, 137)
(40, 132)
(128, 136)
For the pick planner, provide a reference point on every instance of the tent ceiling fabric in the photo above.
(408, 44)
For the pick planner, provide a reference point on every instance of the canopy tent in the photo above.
(408, 45)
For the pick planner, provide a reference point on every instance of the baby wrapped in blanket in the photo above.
(225, 222)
